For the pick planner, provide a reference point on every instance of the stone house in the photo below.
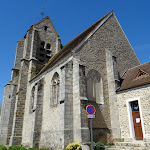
(134, 104)
(44, 104)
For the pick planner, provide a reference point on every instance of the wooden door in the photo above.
(137, 125)
(136, 120)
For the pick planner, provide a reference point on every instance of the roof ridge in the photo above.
(47, 17)
(139, 65)
(90, 27)
(74, 42)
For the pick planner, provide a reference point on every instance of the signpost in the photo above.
(90, 109)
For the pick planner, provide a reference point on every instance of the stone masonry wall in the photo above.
(13, 101)
(7, 113)
(59, 130)
(38, 114)
(16, 137)
(48, 36)
(57, 121)
(27, 132)
(108, 36)
(68, 105)
(18, 58)
(19, 53)
(52, 133)
(143, 93)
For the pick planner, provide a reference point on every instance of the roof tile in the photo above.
(130, 80)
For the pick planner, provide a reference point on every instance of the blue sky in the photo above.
(70, 18)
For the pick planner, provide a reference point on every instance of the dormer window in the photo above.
(141, 73)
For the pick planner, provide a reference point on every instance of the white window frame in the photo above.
(131, 126)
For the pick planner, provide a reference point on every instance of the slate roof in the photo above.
(130, 80)
(69, 47)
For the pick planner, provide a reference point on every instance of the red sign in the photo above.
(90, 109)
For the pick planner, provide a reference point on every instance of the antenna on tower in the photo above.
(42, 13)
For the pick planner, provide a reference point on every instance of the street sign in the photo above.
(91, 116)
(90, 109)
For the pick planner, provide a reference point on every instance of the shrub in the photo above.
(103, 142)
(3, 148)
(37, 149)
(98, 145)
(14, 147)
(74, 146)
(107, 141)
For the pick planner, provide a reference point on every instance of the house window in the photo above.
(95, 87)
(55, 88)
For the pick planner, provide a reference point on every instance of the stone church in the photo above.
(44, 104)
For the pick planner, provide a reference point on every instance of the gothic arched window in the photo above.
(55, 88)
(32, 100)
(95, 87)
(48, 51)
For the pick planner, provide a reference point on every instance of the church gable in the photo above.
(46, 25)
(109, 36)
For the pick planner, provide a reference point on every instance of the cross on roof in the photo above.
(42, 13)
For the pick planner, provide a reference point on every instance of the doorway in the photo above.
(135, 119)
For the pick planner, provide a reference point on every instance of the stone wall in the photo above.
(18, 58)
(7, 113)
(16, 136)
(68, 105)
(38, 113)
(143, 93)
(57, 133)
(109, 38)
(57, 128)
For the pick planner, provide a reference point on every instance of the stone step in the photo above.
(125, 146)
(140, 145)
(133, 144)
(113, 148)
(129, 148)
